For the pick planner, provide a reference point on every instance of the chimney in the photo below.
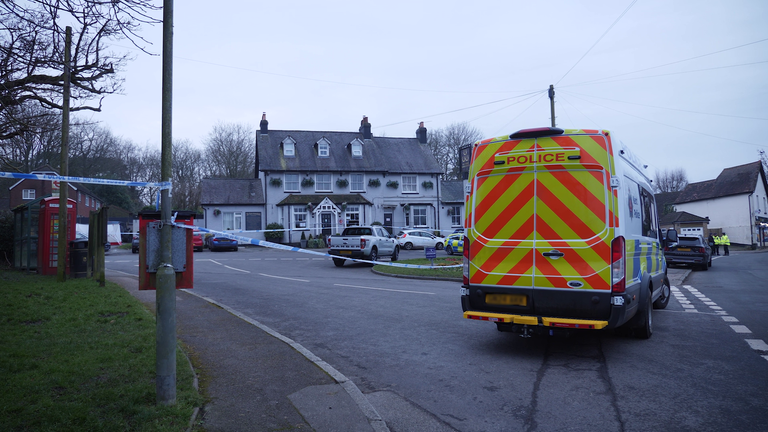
(365, 128)
(264, 130)
(421, 133)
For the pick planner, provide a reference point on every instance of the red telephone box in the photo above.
(181, 239)
(48, 240)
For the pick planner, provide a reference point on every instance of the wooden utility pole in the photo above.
(552, 103)
(61, 251)
(165, 296)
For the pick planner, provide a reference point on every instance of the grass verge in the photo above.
(439, 272)
(79, 357)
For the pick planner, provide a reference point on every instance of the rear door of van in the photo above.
(542, 221)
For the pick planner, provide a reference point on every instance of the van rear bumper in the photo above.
(619, 315)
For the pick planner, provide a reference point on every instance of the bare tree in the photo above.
(148, 170)
(230, 150)
(670, 180)
(445, 144)
(187, 175)
(32, 39)
(39, 143)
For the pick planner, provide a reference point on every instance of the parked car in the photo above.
(454, 243)
(689, 251)
(197, 241)
(135, 244)
(409, 239)
(216, 243)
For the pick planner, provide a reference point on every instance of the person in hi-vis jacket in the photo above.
(726, 242)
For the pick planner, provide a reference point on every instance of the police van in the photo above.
(561, 233)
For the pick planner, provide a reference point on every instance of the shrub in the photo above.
(274, 236)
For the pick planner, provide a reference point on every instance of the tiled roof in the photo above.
(231, 191)
(664, 199)
(317, 198)
(681, 217)
(380, 154)
(452, 191)
(736, 180)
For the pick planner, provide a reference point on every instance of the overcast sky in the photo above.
(683, 83)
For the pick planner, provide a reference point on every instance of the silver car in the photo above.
(409, 239)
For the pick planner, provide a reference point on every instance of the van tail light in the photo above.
(701, 250)
(362, 243)
(465, 272)
(618, 276)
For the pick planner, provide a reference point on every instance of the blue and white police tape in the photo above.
(48, 177)
(265, 243)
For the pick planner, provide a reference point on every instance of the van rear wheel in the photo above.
(663, 299)
(644, 325)
(338, 262)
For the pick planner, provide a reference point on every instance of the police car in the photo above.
(454, 243)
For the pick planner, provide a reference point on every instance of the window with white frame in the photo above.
(357, 182)
(323, 183)
(419, 214)
(299, 216)
(87, 201)
(291, 183)
(323, 148)
(409, 184)
(232, 220)
(455, 216)
(28, 194)
(352, 215)
(357, 149)
(289, 147)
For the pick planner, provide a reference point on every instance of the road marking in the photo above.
(757, 344)
(741, 329)
(231, 268)
(384, 289)
(730, 319)
(281, 277)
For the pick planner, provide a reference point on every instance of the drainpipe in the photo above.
(437, 202)
(751, 222)
(266, 204)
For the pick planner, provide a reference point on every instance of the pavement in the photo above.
(259, 380)
(255, 378)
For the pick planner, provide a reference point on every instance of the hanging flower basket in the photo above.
(216, 212)
(307, 182)
(406, 207)
(394, 184)
(342, 183)
(276, 181)
(374, 182)
(427, 185)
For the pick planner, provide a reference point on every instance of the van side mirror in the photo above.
(671, 236)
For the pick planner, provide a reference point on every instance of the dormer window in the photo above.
(357, 148)
(323, 148)
(289, 147)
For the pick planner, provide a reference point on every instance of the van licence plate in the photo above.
(506, 299)
(345, 252)
(683, 249)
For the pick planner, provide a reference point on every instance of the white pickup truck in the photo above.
(363, 242)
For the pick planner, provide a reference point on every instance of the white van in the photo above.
(561, 233)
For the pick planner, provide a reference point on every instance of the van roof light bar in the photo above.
(536, 132)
